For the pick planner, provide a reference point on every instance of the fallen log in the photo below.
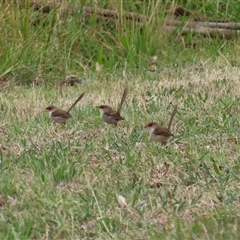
(114, 14)
(212, 32)
(204, 28)
(195, 24)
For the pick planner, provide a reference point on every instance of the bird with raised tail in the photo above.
(159, 133)
(61, 116)
(110, 116)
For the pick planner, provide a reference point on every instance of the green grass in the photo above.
(64, 182)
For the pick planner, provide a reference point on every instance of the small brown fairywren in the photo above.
(59, 115)
(161, 134)
(110, 116)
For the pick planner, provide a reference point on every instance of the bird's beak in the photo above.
(146, 126)
(97, 106)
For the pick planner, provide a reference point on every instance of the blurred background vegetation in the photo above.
(56, 42)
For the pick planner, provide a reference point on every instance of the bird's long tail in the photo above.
(123, 99)
(172, 116)
(78, 99)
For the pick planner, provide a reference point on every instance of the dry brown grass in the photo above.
(177, 183)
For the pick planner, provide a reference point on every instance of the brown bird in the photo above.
(161, 134)
(59, 115)
(110, 116)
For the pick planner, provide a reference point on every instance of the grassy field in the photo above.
(88, 180)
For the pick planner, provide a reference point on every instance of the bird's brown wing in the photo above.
(61, 113)
(114, 115)
(161, 131)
